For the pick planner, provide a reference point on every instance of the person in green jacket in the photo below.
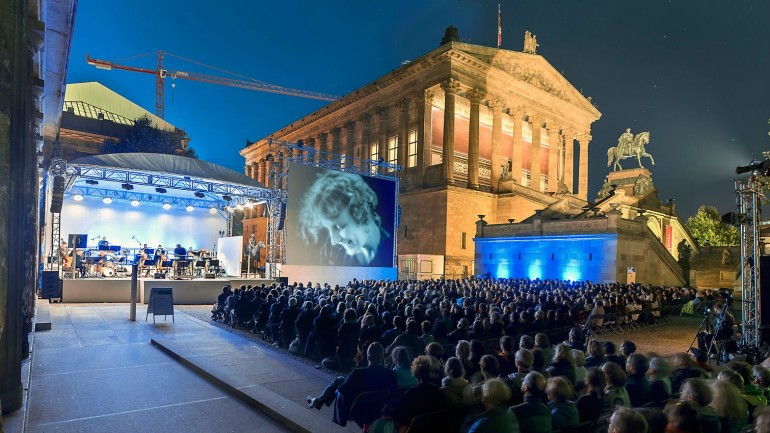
(496, 417)
(564, 413)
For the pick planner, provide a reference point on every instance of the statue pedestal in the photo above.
(635, 181)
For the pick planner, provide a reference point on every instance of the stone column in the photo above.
(247, 170)
(497, 137)
(254, 170)
(323, 147)
(518, 119)
(403, 134)
(569, 147)
(450, 87)
(424, 132)
(263, 171)
(534, 168)
(583, 166)
(553, 157)
(475, 96)
(335, 144)
(382, 142)
(366, 139)
(350, 142)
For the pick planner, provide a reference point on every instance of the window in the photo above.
(393, 151)
(462, 240)
(374, 155)
(412, 150)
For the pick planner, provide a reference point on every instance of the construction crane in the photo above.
(161, 73)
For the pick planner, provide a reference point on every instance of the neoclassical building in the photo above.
(476, 131)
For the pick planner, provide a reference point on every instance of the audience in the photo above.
(699, 395)
(533, 415)
(564, 413)
(496, 417)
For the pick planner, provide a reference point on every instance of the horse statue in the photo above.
(629, 146)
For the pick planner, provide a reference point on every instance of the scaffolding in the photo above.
(281, 153)
(748, 199)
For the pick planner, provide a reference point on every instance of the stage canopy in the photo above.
(167, 180)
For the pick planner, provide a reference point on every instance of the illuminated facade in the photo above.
(476, 130)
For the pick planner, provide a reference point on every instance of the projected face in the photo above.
(359, 240)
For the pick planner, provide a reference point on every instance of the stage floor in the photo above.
(196, 291)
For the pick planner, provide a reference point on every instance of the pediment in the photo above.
(532, 69)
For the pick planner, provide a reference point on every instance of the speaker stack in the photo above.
(57, 198)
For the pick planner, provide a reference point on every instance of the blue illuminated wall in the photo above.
(573, 257)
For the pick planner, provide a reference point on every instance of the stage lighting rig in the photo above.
(756, 167)
(200, 194)
(160, 190)
(226, 197)
(127, 186)
(92, 182)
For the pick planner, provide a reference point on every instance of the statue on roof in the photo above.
(530, 43)
(629, 145)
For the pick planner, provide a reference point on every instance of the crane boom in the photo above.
(161, 74)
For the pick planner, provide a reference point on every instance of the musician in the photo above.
(180, 253)
(66, 260)
(103, 244)
(144, 254)
(160, 257)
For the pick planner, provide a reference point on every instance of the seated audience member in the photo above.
(490, 369)
(575, 339)
(496, 418)
(523, 361)
(580, 367)
(563, 363)
(460, 333)
(347, 343)
(437, 351)
(627, 347)
(754, 395)
(682, 417)
(399, 326)
(656, 419)
(611, 351)
(219, 307)
(564, 413)
(762, 419)
(591, 404)
(637, 385)
(727, 402)
(616, 392)
(533, 415)
(304, 325)
(455, 387)
(527, 342)
(402, 365)
(410, 339)
(660, 384)
(463, 353)
(343, 391)
(539, 362)
(507, 355)
(699, 395)
(684, 368)
(426, 336)
(702, 361)
(543, 343)
(424, 398)
(625, 420)
(762, 378)
(596, 354)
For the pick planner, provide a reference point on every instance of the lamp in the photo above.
(481, 217)
(212, 210)
(77, 197)
(511, 220)
(166, 206)
(134, 202)
(106, 200)
(189, 208)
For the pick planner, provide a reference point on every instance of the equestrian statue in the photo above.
(628, 147)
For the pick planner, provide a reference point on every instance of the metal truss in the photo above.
(748, 199)
(54, 261)
(158, 199)
(282, 154)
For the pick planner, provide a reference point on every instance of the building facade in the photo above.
(458, 121)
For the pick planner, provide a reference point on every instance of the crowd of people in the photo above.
(499, 356)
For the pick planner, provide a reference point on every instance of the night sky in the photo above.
(693, 73)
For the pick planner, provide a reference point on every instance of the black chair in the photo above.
(429, 423)
(367, 406)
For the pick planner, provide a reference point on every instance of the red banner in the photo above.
(669, 238)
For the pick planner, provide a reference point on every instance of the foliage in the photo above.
(708, 229)
(144, 137)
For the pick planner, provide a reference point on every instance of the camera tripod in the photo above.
(711, 334)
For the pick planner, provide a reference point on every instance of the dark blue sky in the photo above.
(693, 73)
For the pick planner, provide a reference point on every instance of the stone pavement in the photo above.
(95, 371)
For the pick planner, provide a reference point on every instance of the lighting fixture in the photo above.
(166, 206)
(127, 186)
(200, 194)
(160, 190)
(134, 202)
(189, 208)
(92, 182)
(106, 200)
(212, 210)
(77, 197)
(226, 197)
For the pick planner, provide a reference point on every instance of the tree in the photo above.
(708, 229)
(144, 137)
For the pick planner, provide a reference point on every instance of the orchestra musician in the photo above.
(64, 256)
(160, 257)
(180, 253)
(144, 254)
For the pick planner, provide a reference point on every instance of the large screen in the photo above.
(336, 218)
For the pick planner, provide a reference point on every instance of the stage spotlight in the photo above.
(166, 206)
(226, 197)
(77, 197)
(200, 194)
(106, 200)
(189, 208)
(212, 210)
(127, 186)
(134, 202)
(160, 190)
(759, 167)
(92, 182)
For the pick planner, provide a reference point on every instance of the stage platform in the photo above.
(196, 291)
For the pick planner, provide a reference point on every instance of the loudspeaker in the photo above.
(210, 276)
(57, 197)
(283, 216)
(764, 297)
(78, 241)
(50, 285)
(160, 276)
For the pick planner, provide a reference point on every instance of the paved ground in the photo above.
(96, 371)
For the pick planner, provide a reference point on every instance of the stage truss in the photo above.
(748, 199)
(282, 153)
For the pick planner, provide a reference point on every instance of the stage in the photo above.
(196, 291)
